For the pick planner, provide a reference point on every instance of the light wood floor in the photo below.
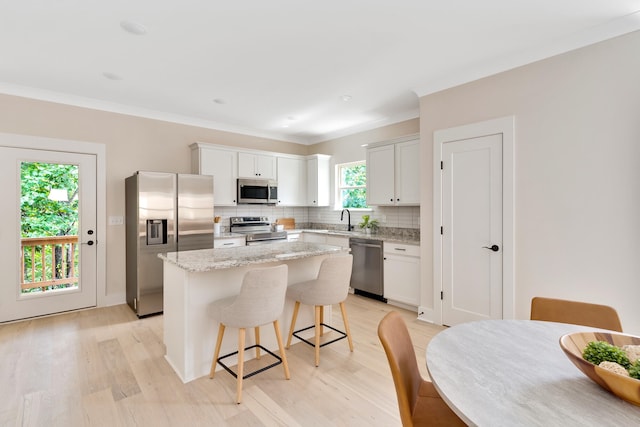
(105, 367)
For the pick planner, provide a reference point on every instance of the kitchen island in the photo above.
(194, 279)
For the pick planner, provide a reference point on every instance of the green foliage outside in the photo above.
(39, 215)
(354, 176)
(42, 217)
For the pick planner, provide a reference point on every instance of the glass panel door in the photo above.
(48, 218)
(49, 227)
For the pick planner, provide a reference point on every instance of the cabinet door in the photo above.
(402, 279)
(266, 166)
(312, 182)
(318, 180)
(380, 176)
(314, 237)
(251, 165)
(407, 173)
(292, 181)
(247, 165)
(222, 165)
(343, 242)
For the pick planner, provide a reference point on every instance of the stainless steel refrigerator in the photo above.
(165, 212)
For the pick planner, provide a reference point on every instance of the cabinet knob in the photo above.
(391, 200)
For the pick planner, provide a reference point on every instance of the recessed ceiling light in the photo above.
(346, 98)
(219, 101)
(111, 76)
(133, 28)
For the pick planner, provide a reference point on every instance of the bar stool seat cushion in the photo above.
(317, 292)
(260, 302)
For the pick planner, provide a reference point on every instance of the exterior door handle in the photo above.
(494, 248)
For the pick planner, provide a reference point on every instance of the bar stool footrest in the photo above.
(257, 371)
(343, 335)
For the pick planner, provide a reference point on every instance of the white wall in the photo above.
(577, 149)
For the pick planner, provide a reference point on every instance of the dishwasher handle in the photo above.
(366, 245)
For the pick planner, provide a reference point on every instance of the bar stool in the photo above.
(260, 301)
(330, 287)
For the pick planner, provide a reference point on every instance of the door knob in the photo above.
(494, 248)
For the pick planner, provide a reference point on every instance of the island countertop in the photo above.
(214, 259)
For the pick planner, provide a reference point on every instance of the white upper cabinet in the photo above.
(380, 179)
(318, 180)
(407, 173)
(292, 181)
(393, 174)
(251, 165)
(220, 163)
(302, 180)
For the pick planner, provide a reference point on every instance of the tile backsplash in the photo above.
(396, 217)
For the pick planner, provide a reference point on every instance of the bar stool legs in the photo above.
(343, 309)
(296, 307)
(318, 329)
(241, 348)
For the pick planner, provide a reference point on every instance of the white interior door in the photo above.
(472, 229)
(51, 274)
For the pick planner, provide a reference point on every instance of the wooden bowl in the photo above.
(625, 388)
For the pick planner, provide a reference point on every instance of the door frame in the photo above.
(506, 127)
(80, 147)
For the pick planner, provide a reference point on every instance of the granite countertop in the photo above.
(362, 235)
(213, 259)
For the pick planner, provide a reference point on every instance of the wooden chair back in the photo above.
(576, 313)
(396, 341)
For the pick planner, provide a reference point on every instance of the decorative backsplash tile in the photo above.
(402, 221)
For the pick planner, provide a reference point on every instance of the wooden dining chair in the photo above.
(576, 313)
(418, 400)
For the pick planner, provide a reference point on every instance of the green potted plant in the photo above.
(368, 225)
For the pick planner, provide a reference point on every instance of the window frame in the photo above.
(339, 187)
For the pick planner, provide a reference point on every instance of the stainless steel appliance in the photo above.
(166, 212)
(257, 191)
(257, 229)
(366, 276)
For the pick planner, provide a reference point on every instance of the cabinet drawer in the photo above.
(229, 243)
(402, 249)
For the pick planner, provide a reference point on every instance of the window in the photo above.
(352, 185)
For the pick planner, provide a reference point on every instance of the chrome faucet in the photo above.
(349, 227)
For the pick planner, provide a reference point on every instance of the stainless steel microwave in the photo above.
(257, 191)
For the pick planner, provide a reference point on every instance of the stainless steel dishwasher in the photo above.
(366, 276)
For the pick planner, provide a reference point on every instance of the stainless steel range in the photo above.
(257, 229)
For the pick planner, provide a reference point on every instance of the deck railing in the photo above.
(49, 263)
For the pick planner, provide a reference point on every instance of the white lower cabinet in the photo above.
(229, 242)
(326, 239)
(402, 273)
(294, 237)
(343, 242)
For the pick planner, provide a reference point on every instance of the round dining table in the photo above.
(514, 373)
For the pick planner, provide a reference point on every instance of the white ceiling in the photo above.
(277, 63)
